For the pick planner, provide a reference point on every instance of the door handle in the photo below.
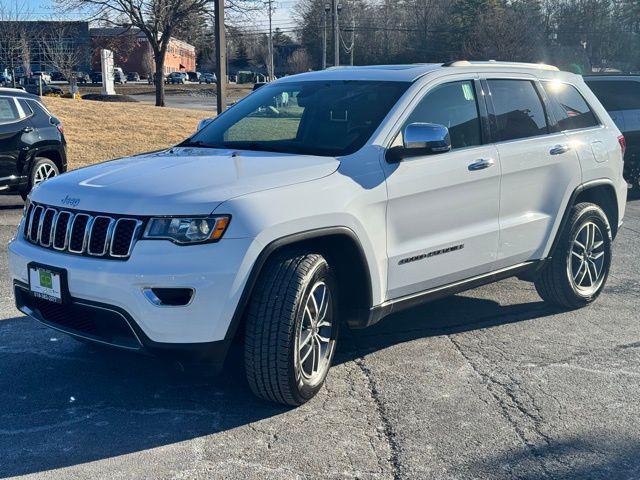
(481, 164)
(559, 149)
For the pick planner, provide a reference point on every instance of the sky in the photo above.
(258, 21)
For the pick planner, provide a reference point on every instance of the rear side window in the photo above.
(454, 106)
(8, 110)
(569, 106)
(26, 109)
(518, 109)
(616, 95)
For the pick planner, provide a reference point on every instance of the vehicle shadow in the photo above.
(65, 403)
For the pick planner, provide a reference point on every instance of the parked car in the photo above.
(193, 76)
(32, 144)
(258, 85)
(176, 77)
(119, 76)
(390, 187)
(46, 78)
(58, 77)
(96, 77)
(83, 78)
(620, 95)
(33, 85)
(207, 78)
(5, 80)
(133, 76)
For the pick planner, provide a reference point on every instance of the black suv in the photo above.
(32, 144)
(620, 95)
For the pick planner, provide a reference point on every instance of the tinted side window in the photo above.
(8, 110)
(518, 109)
(616, 95)
(569, 107)
(454, 106)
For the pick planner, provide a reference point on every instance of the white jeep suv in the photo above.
(328, 197)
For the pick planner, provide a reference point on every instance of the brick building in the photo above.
(133, 53)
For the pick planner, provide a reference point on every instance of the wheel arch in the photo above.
(345, 254)
(599, 192)
(52, 154)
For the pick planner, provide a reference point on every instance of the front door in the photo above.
(442, 213)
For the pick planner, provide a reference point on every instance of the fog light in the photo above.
(169, 297)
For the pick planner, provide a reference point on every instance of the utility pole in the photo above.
(221, 57)
(353, 38)
(270, 66)
(327, 9)
(336, 34)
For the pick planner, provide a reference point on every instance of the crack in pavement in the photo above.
(498, 390)
(387, 427)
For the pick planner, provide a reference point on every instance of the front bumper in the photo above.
(217, 272)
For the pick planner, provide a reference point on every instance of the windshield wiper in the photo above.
(199, 143)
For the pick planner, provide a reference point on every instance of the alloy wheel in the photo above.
(44, 172)
(314, 341)
(586, 260)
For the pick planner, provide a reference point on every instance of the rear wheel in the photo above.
(43, 169)
(291, 329)
(578, 270)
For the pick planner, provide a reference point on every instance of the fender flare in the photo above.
(572, 200)
(279, 243)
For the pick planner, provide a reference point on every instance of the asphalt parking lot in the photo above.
(488, 384)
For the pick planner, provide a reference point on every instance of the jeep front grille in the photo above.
(81, 233)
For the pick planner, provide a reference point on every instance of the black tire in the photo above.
(274, 325)
(37, 164)
(555, 283)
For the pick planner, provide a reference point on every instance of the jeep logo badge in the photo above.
(72, 202)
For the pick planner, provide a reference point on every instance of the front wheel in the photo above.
(578, 270)
(292, 328)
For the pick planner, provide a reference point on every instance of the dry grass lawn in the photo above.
(99, 131)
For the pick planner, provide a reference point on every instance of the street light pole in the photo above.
(221, 57)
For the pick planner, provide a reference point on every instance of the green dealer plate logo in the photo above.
(45, 279)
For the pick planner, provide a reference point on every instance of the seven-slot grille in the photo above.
(81, 233)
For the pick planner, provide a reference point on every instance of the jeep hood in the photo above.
(180, 181)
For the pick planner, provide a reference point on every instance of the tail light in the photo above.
(61, 129)
(623, 144)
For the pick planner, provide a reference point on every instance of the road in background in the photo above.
(489, 384)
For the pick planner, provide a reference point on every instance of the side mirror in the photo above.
(421, 139)
(203, 123)
(429, 136)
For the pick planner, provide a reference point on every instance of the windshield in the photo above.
(332, 118)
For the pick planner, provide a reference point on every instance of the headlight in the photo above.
(186, 231)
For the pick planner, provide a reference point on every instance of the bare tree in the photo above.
(299, 61)
(148, 64)
(61, 52)
(156, 19)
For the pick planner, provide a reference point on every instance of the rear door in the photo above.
(14, 124)
(538, 167)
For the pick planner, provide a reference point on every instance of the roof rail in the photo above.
(493, 63)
